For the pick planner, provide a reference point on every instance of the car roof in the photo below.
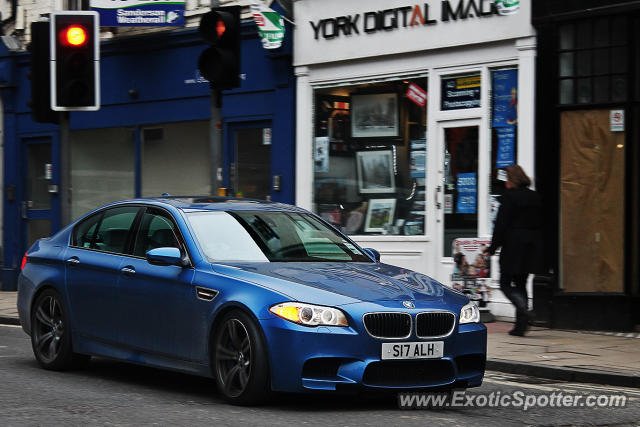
(208, 203)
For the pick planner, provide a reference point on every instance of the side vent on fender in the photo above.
(206, 294)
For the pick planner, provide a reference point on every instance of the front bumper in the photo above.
(338, 358)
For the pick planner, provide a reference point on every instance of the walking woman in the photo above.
(517, 231)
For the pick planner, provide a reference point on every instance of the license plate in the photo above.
(412, 350)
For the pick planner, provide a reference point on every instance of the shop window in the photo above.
(102, 167)
(370, 153)
(592, 61)
(176, 159)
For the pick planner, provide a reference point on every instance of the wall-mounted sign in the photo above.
(460, 92)
(507, 7)
(616, 120)
(148, 13)
(407, 16)
(337, 30)
(270, 25)
(266, 136)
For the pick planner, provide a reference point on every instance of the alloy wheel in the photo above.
(48, 328)
(233, 357)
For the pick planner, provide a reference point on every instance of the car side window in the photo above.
(84, 233)
(157, 230)
(114, 228)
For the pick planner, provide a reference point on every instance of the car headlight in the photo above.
(309, 314)
(470, 313)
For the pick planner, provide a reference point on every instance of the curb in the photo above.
(7, 320)
(564, 374)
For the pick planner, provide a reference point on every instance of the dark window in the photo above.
(84, 232)
(592, 61)
(114, 228)
(157, 230)
(78, 5)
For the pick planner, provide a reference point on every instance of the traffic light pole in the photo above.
(220, 65)
(215, 140)
(65, 169)
(215, 135)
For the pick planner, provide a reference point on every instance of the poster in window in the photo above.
(375, 171)
(321, 154)
(418, 163)
(374, 115)
(460, 92)
(505, 98)
(472, 269)
(467, 193)
(506, 155)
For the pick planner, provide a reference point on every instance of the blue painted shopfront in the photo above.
(145, 81)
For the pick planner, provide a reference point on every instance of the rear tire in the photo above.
(51, 333)
(239, 360)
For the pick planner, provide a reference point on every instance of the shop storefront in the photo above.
(151, 136)
(588, 159)
(406, 112)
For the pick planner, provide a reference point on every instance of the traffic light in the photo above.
(75, 56)
(220, 63)
(40, 76)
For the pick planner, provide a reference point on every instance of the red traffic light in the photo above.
(220, 28)
(74, 35)
(75, 55)
(215, 26)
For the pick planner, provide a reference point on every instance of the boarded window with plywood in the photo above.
(592, 200)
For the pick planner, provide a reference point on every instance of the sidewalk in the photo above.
(8, 308)
(594, 357)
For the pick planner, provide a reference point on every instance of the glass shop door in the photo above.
(40, 206)
(456, 192)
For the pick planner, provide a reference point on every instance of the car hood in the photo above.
(355, 281)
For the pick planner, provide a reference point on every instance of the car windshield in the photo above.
(277, 236)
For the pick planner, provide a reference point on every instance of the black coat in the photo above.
(517, 231)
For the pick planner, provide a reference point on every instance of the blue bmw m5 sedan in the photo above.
(260, 296)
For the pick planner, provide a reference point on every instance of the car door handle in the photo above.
(128, 271)
(73, 260)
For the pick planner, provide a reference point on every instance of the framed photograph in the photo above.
(380, 213)
(375, 171)
(374, 115)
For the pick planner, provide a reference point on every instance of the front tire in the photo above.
(51, 333)
(239, 360)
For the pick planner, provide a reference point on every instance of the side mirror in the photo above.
(373, 253)
(165, 256)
